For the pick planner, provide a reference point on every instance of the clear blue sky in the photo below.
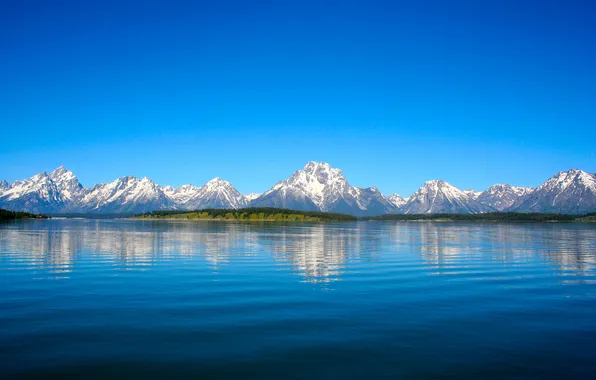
(393, 93)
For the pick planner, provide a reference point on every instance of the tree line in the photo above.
(248, 213)
(11, 215)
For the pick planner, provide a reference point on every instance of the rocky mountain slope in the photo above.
(441, 197)
(501, 196)
(318, 186)
(568, 192)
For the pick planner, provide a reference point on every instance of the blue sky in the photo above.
(393, 93)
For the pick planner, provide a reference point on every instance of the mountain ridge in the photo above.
(315, 187)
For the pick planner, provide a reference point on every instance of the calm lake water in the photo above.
(124, 299)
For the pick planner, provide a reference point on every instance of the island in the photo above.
(249, 214)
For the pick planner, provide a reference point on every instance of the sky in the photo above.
(394, 93)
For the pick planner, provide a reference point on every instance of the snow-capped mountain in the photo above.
(40, 193)
(217, 193)
(67, 183)
(125, 194)
(570, 192)
(182, 195)
(36, 194)
(502, 196)
(472, 194)
(61, 191)
(252, 196)
(397, 200)
(441, 197)
(318, 186)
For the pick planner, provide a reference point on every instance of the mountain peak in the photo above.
(218, 182)
(435, 182)
(396, 199)
(572, 191)
(320, 187)
(252, 196)
(39, 176)
(217, 193)
(315, 168)
(316, 164)
(438, 196)
(565, 179)
(61, 173)
(502, 196)
(316, 187)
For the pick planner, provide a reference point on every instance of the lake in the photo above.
(165, 299)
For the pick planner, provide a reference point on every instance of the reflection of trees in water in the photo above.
(319, 252)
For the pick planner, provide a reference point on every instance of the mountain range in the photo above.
(316, 187)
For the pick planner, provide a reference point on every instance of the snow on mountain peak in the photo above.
(438, 185)
(217, 181)
(438, 196)
(317, 180)
(564, 179)
(61, 171)
(472, 194)
(318, 186)
(218, 193)
(396, 199)
(314, 165)
(501, 197)
(572, 191)
(252, 196)
(66, 182)
(38, 177)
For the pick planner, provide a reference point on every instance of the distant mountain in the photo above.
(252, 196)
(125, 194)
(316, 187)
(570, 192)
(38, 194)
(396, 200)
(67, 183)
(184, 196)
(472, 194)
(319, 187)
(501, 196)
(61, 191)
(217, 193)
(441, 197)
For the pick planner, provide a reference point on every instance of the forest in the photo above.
(251, 213)
(12, 215)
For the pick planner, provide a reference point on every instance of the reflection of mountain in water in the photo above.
(319, 252)
(570, 246)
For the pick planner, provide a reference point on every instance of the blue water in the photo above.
(127, 299)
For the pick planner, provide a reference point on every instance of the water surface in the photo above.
(121, 298)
